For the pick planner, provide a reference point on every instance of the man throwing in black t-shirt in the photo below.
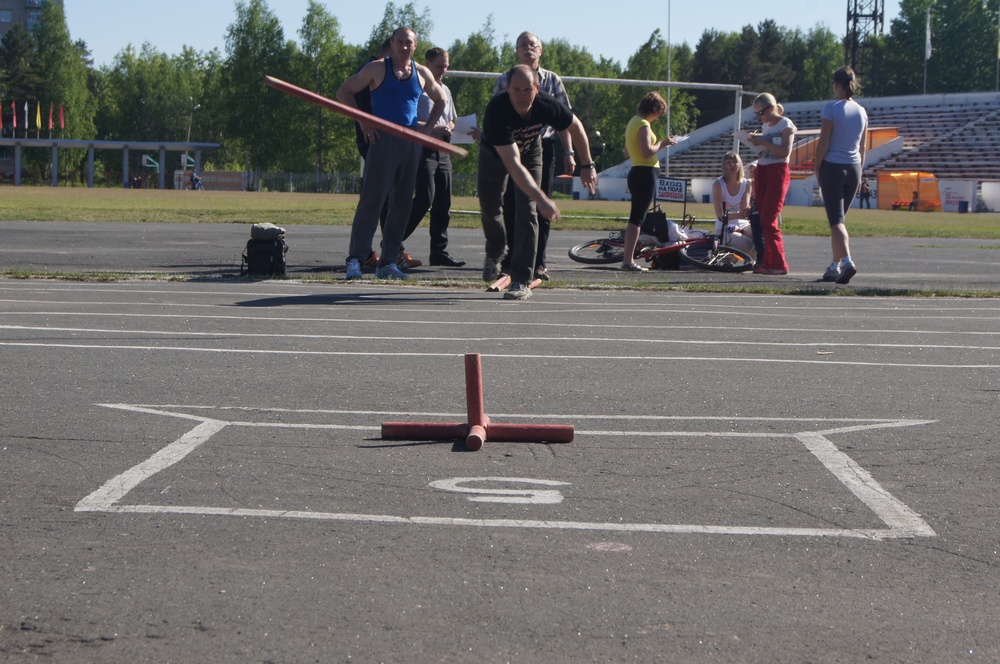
(511, 146)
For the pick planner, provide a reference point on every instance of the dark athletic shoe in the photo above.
(446, 260)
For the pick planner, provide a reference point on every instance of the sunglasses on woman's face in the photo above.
(762, 111)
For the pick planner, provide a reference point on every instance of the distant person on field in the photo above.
(511, 150)
(772, 179)
(529, 52)
(363, 99)
(731, 197)
(433, 189)
(642, 148)
(396, 83)
(756, 232)
(915, 201)
(840, 159)
(865, 194)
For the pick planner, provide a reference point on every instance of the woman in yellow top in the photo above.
(641, 147)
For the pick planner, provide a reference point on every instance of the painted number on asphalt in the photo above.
(517, 496)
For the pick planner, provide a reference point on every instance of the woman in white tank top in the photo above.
(731, 195)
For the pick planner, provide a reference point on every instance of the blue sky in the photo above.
(603, 28)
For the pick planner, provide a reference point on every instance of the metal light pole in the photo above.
(669, 59)
(194, 107)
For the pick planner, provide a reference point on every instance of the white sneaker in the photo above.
(353, 268)
(832, 272)
(390, 271)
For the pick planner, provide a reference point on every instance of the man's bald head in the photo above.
(522, 88)
(525, 73)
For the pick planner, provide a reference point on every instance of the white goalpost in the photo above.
(737, 91)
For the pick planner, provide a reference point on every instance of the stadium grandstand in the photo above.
(953, 136)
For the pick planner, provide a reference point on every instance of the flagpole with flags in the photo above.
(927, 47)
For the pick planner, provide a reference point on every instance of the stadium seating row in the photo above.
(953, 136)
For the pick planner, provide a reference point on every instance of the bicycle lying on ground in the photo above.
(700, 249)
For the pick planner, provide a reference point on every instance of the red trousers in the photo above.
(770, 185)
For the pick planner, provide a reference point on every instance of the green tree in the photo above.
(19, 75)
(718, 58)
(790, 65)
(964, 40)
(399, 17)
(479, 52)
(773, 72)
(965, 45)
(597, 105)
(255, 46)
(814, 57)
(63, 72)
(93, 75)
(63, 75)
(324, 61)
(650, 63)
(209, 123)
(147, 97)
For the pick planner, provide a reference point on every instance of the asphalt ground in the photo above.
(214, 250)
(193, 470)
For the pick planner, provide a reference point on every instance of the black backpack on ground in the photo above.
(265, 253)
(655, 224)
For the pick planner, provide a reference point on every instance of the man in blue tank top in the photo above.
(396, 83)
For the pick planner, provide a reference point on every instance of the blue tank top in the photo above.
(395, 100)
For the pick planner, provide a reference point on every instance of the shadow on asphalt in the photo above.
(328, 299)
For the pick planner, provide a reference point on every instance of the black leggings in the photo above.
(839, 184)
(642, 184)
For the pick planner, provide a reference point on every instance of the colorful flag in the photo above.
(62, 123)
(927, 46)
(1, 117)
(13, 112)
(51, 105)
(26, 118)
(38, 115)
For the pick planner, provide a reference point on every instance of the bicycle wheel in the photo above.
(598, 252)
(720, 259)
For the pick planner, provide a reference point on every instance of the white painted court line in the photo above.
(673, 341)
(900, 520)
(558, 300)
(520, 356)
(798, 313)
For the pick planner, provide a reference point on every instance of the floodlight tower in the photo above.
(865, 19)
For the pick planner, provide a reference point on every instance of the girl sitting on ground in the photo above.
(731, 196)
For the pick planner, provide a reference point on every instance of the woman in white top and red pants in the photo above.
(772, 179)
